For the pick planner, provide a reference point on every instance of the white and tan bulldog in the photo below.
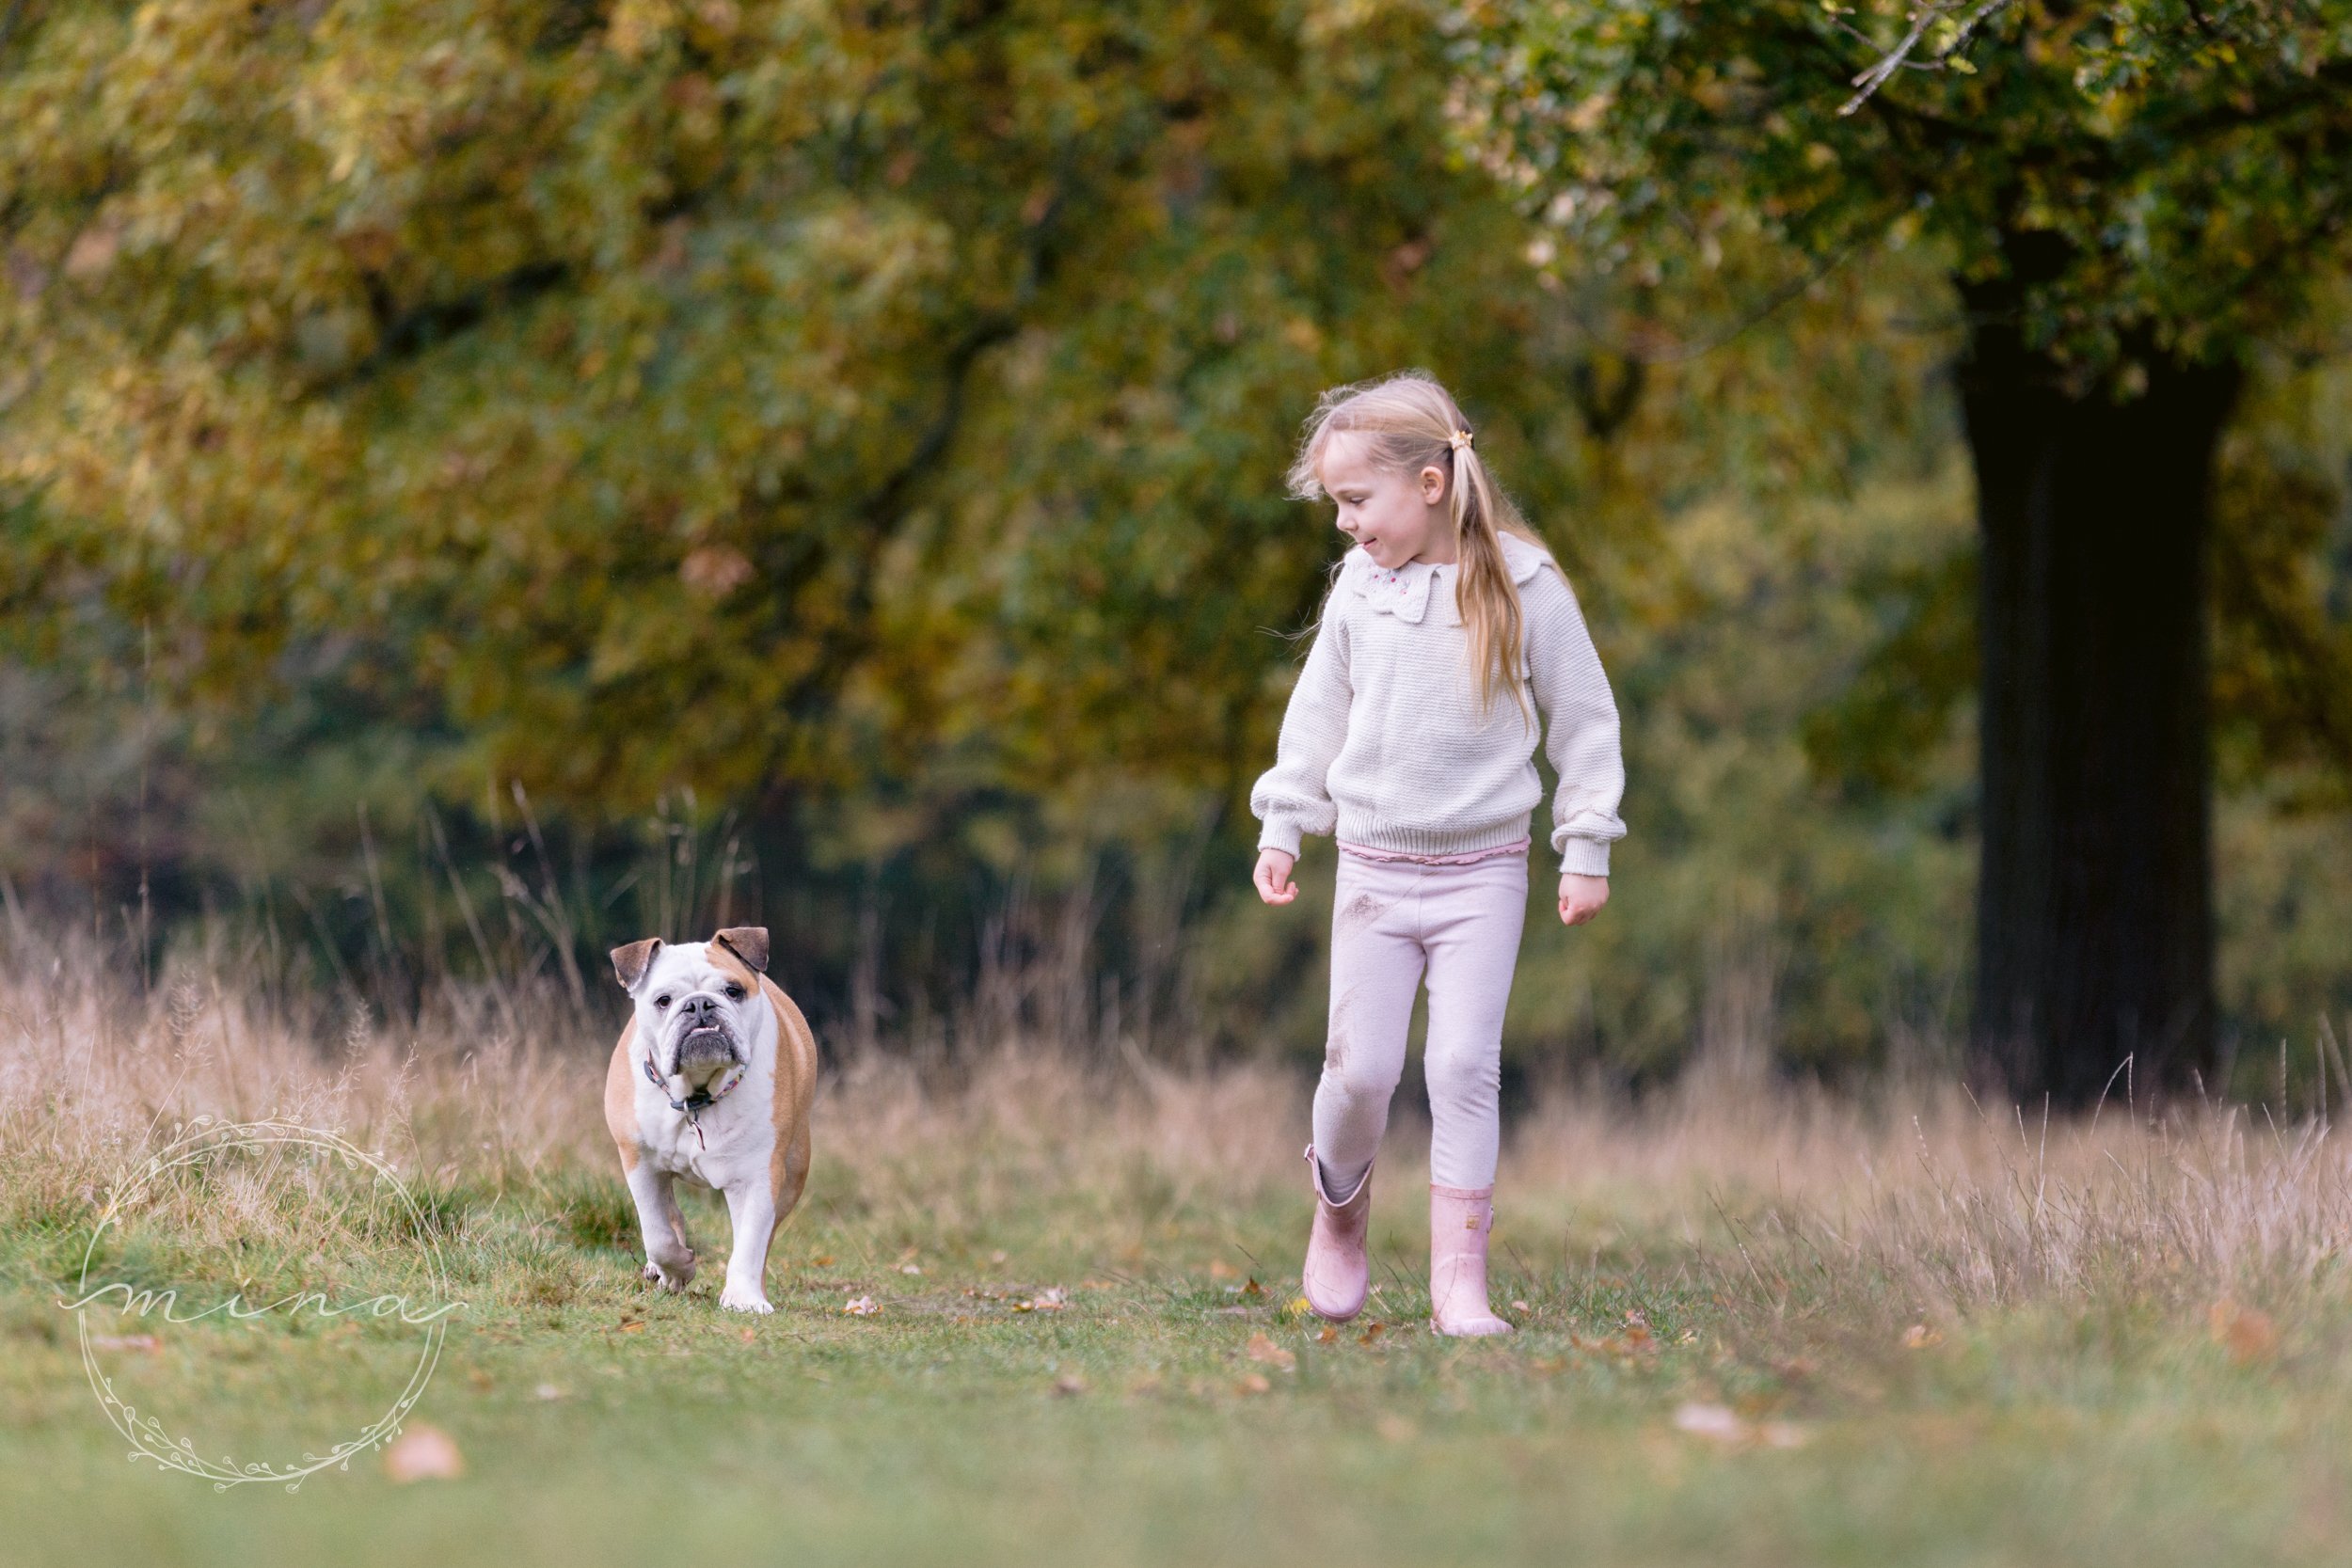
(711, 1081)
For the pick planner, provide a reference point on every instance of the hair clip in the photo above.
(1460, 440)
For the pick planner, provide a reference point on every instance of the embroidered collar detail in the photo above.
(1402, 591)
(1405, 592)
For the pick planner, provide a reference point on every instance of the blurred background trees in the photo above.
(486, 479)
(2127, 200)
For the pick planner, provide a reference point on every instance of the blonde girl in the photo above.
(1412, 736)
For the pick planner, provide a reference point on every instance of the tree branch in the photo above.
(1924, 16)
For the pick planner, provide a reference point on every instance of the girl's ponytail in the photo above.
(1482, 591)
(1414, 423)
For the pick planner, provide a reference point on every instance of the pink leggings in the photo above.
(1389, 920)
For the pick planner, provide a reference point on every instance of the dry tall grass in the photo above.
(1790, 1202)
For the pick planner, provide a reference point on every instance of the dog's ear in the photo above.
(747, 942)
(631, 962)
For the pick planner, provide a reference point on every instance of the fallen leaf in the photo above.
(423, 1453)
(1717, 1423)
(1262, 1349)
(998, 1256)
(910, 1267)
(1253, 1288)
(480, 1379)
(1253, 1383)
(2247, 1332)
(1920, 1337)
(1068, 1384)
(1330, 1335)
(749, 1336)
(1395, 1428)
(1520, 1306)
(862, 1306)
(1220, 1269)
(633, 1326)
(824, 1262)
(1372, 1331)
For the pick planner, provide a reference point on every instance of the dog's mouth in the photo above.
(709, 1045)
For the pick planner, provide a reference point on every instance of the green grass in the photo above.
(2107, 1424)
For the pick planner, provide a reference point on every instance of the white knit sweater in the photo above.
(1384, 743)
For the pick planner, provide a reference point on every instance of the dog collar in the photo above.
(700, 1100)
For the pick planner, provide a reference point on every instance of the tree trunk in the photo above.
(2094, 910)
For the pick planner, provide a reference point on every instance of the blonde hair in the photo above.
(1414, 423)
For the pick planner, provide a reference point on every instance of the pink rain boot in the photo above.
(1336, 1272)
(1459, 1218)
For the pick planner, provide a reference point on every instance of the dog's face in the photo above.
(698, 1002)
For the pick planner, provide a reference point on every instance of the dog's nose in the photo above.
(704, 1009)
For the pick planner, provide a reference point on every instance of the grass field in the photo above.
(1757, 1329)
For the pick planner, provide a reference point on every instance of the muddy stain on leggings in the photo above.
(1335, 1044)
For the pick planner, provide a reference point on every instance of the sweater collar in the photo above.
(1405, 592)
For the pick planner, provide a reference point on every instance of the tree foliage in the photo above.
(2133, 176)
(848, 438)
(724, 394)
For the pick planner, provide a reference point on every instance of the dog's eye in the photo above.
(660, 1001)
(735, 993)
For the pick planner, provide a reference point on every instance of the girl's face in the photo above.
(1395, 516)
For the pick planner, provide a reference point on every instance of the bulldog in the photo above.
(711, 1081)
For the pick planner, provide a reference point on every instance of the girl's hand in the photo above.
(1273, 877)
(1581, 897)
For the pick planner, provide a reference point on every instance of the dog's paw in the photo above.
(668, 1279)
(744, 1301)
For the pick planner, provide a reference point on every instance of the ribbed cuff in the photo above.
(1585, 857)
(1279, 833)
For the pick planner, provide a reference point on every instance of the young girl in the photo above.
(1411, 735)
